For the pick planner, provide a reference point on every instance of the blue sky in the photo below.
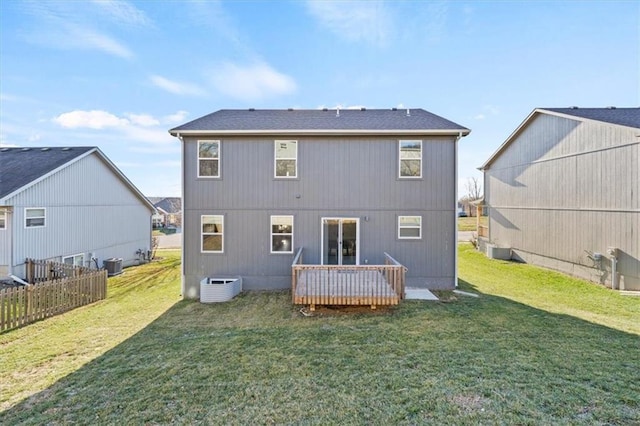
(119, 74)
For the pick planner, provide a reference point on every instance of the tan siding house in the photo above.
(563, 192)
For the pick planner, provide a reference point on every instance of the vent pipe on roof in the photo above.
(573, 107)
(611, 107)
(408, 113)
(394, 109)
(338, 112)
(363, 109)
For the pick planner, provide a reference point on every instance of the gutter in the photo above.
(323, 132)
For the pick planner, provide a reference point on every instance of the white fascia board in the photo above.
(323, 132)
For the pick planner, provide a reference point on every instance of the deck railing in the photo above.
(373, 285)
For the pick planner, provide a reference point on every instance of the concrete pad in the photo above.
(419, 294)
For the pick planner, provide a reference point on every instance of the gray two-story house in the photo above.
(349, 187)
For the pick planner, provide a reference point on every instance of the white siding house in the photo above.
(69, 205)
(563, 192)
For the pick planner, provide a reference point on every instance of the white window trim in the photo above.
(272, 234)
(219, 159)
(419, 237)
(400, 158)
(275, 159)
(202, 234)
(5, 216)
(81, 255)
(43, 217)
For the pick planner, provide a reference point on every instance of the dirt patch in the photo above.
(339, 310)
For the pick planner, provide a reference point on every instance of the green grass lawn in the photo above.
(470, 223)
(535, 348)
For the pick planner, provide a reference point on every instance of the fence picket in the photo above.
(42, 299)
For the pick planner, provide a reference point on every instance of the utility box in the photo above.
(113, 266)
(502, 253)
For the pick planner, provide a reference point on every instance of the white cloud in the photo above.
(94, 119)
(175, 87)
(251, 82)
(80, 25)
(178, 117)
(480, 117)
(144, 120)
(354, 20)
(123, 12)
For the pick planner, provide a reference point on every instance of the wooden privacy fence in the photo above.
(43, 270)
(25, 304)
(373, 285)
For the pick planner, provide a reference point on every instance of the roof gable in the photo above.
(320, 121)
(169, 204)
(627, 117)
(21, 166)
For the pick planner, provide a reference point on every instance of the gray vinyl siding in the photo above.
(89, 209)
(564, 188)
(337, 177)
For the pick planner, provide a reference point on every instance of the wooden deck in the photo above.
(373, 285)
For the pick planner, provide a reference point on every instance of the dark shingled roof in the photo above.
(21, 166)
(317, 120)
(629, 117)
(169, 204)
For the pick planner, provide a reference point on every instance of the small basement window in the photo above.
(34, 217)
(409, 227)
(75, 260)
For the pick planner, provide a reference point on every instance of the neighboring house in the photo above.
(69, 205)
(345, 185)
(563, 192)
(169, 211)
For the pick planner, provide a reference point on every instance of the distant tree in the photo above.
(474, 189)
(474, 192)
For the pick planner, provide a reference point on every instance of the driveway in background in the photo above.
(170, 241)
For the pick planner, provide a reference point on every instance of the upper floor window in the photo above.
(410, 227)
(212, 233)
(410, 157)
(209, 159)
(286, 159)
(3, 219)
(34, 217)
(281, 234)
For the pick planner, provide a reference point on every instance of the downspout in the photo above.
(182, 267)
(455, 210)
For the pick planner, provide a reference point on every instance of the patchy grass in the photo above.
(470, 223)
(504, 358)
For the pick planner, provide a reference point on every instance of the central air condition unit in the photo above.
(113, 266)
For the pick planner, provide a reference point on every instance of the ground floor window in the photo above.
(75, 260)
(3, 219)
(409, 227)
(34, 217)
(212, 233)
(281, 234)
